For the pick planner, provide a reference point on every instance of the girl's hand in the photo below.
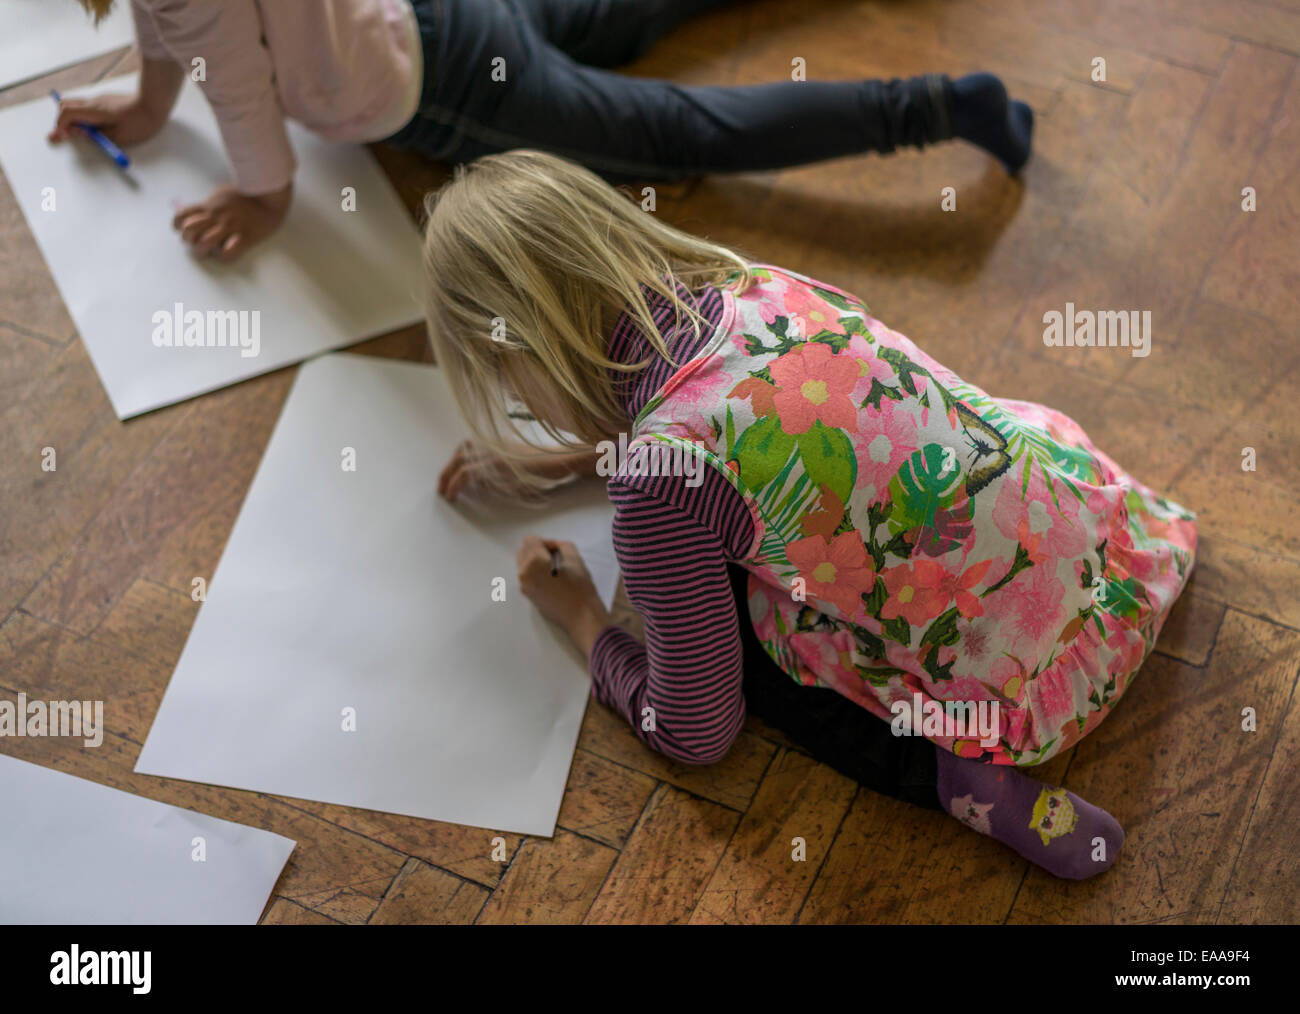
(474, 466)
(568, 598)
(228, 222)
(123, 119)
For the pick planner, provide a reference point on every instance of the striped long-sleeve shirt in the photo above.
(673, 542)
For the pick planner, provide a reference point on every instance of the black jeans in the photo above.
(830, 727)
(557, 96)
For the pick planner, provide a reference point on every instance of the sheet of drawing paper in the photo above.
(39, 36)
(350, 649)
(74, 851)
(328, 277)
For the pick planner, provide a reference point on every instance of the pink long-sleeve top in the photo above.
(350, 70)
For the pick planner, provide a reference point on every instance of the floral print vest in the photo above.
(915, 539)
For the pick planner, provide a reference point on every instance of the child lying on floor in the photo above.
(874, 537)
(456, 79)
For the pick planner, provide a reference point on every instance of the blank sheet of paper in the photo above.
(74, 851)
(329, 277)
(350, 649)
(39, 36)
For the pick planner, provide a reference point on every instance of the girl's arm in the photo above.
(673, 542)
(682, 692)
(160, 84)
(472, 466)
(220, 47)
(126, 119)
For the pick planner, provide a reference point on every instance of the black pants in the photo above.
(557, 96)
(830, 727)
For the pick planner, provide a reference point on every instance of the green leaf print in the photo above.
(838, 342)
(875, 599)
(906, 370)
(943, 630)
(1121, 598)
(1021, 562)
(879, 677)
(878, 513)
(898, 546)
(761, 451)
(922, 488)
(904, 367)
(787, 342)
(856, 325)
(878, 391)
(840, 302)
(870, 645)
(932, 667)
(1074, 462)
(897, 629)
(828, 459)
(1086, 579)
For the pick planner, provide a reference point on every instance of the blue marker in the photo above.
(109, 148)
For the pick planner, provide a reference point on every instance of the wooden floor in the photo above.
(1132, 201)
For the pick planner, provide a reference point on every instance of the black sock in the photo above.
(983, 115)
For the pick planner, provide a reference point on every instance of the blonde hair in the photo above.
(528, 258)
(98, 9)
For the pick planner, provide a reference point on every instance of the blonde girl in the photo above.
(926, 587)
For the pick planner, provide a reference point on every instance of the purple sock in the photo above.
(1055, 829)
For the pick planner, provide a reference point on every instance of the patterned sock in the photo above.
(1055, 829)
(982, 115)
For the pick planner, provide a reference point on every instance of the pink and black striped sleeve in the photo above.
(673, 542)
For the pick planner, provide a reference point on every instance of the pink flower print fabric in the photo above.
(915, 535)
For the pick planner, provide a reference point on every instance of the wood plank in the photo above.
(423, 895)
(65, 409)
(1193, 626)
(1117, 23)
(603, 800)
(283, 912)
(1174, 767)
(550, 881)
(897, 863)
(759, 879)
(1265, 885)
(1129, 250)
(1253, 580)
(661, 874)
(1259, 508)
(194, 467)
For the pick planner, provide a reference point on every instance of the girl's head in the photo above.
(98, 9)
(529, 260)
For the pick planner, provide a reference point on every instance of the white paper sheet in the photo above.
(39, 36)
(327, 278)
(366, 590)
(74, 851)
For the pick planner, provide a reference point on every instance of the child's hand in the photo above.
(123, 119)
(473, 466)
(228, 222)
(568, 598)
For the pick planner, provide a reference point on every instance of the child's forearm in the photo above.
(160, 84)
(554, 465)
